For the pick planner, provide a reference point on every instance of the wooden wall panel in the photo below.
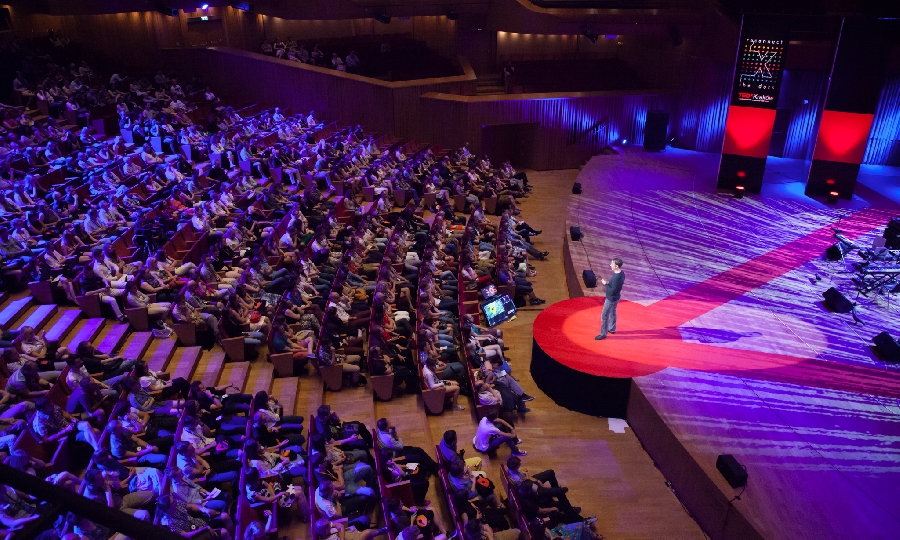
(551, 47)
(565, 139)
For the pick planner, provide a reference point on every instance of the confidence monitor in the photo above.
(489, 292)
(656, 131)
(498, 309)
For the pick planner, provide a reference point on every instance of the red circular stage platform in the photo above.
(594, 377)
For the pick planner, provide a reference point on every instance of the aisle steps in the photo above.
(235, 373)
(86, 330)
(262, 382)
(184, 361)
(115, 337)
(38, 317)
(210, 368)
(13, 311)
(140, 342)
(64, 324)
(285, 391)
(160, 357)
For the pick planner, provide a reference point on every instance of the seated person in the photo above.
(328, 502)
(184, 518)
(492, 433)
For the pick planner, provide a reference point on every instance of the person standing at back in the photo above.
(613, 294)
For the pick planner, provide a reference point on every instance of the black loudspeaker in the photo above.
(892, 234)
(837, 302)
(887, 347)
(835, 252)
(576, 188)
(575, 232)
(656, 130)
(590, 280)
(734, 473)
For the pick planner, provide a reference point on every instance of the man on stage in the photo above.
(613, 294)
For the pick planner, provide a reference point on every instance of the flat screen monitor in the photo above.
(489, 292)
(498, 309)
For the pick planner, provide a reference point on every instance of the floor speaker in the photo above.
(734, 473)
(887, 347)
(589, 278)
(836, 252)
(656, 131)
(837, 301)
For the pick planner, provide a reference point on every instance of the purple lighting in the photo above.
(204, 7)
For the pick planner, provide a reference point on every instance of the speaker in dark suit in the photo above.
(656, 131)
(887, 347)
(837, 301)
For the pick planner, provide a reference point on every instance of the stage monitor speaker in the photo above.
(656, 131)
(835, 252)
(575, 232)
(576, 188)
(734, 473)
(892, 234)
(590, 280)
(837, 301)
(887, 347)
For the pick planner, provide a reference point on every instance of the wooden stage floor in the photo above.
(819, 434)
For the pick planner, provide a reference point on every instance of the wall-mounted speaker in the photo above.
(575, 233)
(589, 278)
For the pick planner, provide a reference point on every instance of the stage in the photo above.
(724, 345)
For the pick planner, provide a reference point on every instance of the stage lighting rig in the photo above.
(591, 35)
(383, 18)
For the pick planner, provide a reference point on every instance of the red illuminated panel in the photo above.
(843, 136)
(748, 131)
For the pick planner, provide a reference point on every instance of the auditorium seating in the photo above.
(246, 209)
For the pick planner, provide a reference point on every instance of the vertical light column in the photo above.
(854, 87)
(751, 112)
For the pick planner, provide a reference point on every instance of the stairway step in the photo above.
(262, 381)
(67, 320)
(285, 391)
(87, 331)
(184, 362)
(213, 369)
(14, 310)
(238, 376)
(160, 357)
(138, 345)
(39, 317)
(114, 338)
